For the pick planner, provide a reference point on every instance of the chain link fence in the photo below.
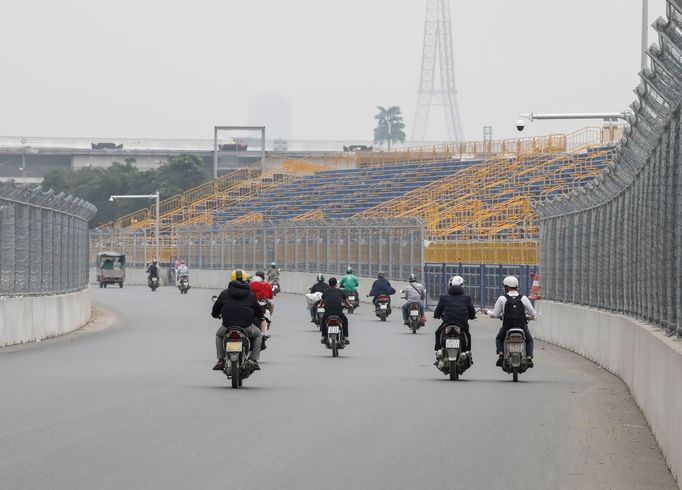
(617, 244)
(43, 241)
(369, 245)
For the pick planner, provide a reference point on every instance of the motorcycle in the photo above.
(267, 313)
(515, 358)
(451, 359)
(335, 339)
(153, 283)
(414, 319)
(275, 288)
(382, 307)
(319, 314)
(183, 285)
(354, 302)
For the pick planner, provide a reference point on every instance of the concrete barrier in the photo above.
(32, 318)
(649, 362)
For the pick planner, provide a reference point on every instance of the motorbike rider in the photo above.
(511, 292)
(153, 271)
(262, 289)
(273, 274)
(349, 283)
(181, 272)
(414, 293)
(381, 287)
(238, 307)
(334, 300)
(320, 286)
(455, 307)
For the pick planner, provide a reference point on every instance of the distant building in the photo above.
(274, 112)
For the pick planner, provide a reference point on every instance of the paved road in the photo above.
(137, 406)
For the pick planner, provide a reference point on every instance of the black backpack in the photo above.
(514, 315)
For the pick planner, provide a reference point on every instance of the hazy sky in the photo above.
(172, 68)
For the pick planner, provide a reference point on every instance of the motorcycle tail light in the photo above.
(234, 336)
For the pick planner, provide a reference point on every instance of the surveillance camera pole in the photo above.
(156, 223)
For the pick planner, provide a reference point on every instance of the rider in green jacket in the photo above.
(349, 283)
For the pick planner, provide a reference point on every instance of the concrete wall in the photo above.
(34, 318)
(649, 362)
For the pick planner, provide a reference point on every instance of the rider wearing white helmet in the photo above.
(455, 307)
(511, 294)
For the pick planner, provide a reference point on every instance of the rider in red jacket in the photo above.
(260, 287)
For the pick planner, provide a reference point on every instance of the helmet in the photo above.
(456, 281)
(349, 270)
(273, 264)
(239, 275)
(511, 282)
(256, 279)
(320, 278)
(260, 274)
(380, 275)
(413, 278)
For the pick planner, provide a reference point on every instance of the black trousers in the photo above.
(439, 330)
(344, 322)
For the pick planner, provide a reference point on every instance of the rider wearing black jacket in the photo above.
(319, 287)
(455, 307)
(381, 287)
(238, 307)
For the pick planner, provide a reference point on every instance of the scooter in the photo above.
(451, 359)
(354, 302)
(414, 319)
(183, 284)
(515, 357)
(319, 314)
(335, 339)
(153, 283)
(383, 307)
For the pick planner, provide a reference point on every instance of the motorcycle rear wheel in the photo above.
(454, 375)
(515, 375)
(236, 382)
(335, 349)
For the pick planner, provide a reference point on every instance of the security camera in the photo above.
(520, 124)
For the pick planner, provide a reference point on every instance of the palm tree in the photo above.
(390, 126)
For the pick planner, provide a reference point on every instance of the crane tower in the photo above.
(437, 50)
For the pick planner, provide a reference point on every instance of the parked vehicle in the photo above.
(110, 268)
(414, 319)
(382, 307)
(515, 359)
(451, 359)
(335, 339)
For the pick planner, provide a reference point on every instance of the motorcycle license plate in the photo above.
(333, 330)
(351, 298)
(234, 347)
(383, 307)
(414, 313)
(516, 347)
(452, 343)
(320, 310)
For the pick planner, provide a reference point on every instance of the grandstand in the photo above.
(460, 198)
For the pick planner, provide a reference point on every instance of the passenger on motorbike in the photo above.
(511, 293)
(152, 271)
(319, 287)
(381, 287)
(182, 271)
(414, 293)
(334, 300)
(349, 283)
(262, 289)
(238, 307)
(455, 307)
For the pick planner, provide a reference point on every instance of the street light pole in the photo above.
(645, 31)
(156, 197)
(606, 116)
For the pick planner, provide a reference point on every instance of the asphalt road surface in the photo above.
(136, 406)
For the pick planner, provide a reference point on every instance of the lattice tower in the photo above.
(437, 49)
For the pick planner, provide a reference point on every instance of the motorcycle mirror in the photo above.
(214, 298)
